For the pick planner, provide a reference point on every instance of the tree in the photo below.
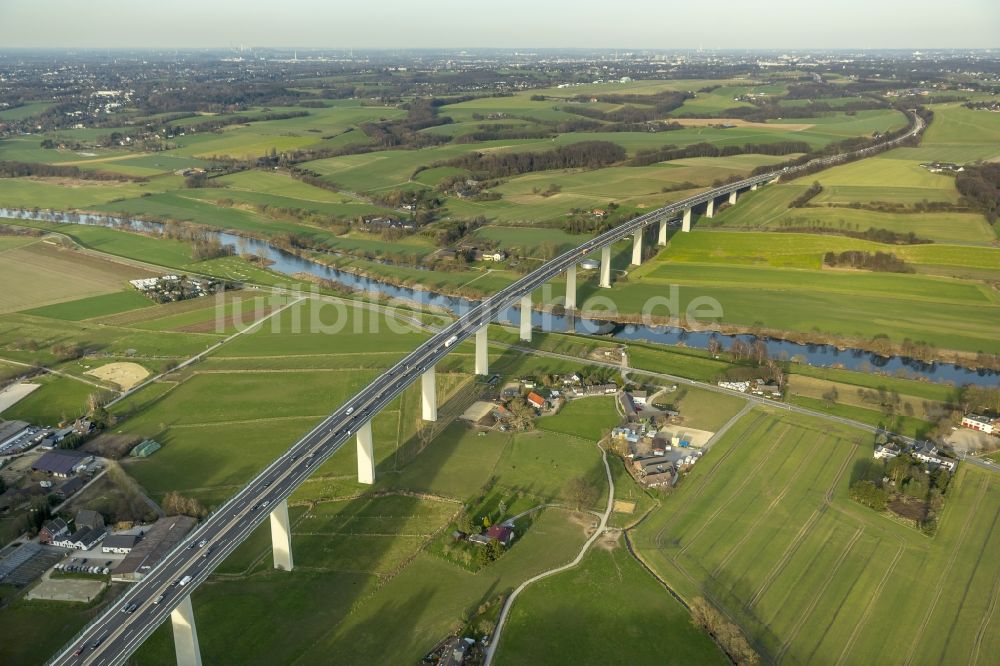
(580, 492)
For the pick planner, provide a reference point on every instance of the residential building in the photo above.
(502, 533)
(53, 530)
(928, 453)
(639, 398)
(536, 401)
(886, 452)
(83, 539)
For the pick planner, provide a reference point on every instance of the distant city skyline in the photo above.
(640, 24)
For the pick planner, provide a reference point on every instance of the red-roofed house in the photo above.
(501, 533)
(536, 400)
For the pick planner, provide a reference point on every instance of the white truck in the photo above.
(450, 341)
(185, 581)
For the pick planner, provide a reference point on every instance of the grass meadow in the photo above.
(813, 576)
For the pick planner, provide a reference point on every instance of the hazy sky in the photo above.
(505, 23)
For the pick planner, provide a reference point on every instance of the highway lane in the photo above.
(115, 634)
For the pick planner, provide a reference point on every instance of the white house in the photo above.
(980, 423)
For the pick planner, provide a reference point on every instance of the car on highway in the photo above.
(128, 610)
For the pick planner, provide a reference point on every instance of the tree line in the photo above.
(582, 155)
(880, 262)
(703, 149)
(39, 170)
(980, 185)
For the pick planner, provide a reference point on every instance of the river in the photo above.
(815, 355)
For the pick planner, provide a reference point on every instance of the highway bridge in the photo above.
(166, 589)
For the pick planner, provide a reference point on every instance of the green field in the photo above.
(811, 575)
(586, 418)
(59, 400)
(94, 306)
(615, 599)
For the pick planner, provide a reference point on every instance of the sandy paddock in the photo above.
(124, 374)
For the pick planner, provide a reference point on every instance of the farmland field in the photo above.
(810, 574)
(46, 274)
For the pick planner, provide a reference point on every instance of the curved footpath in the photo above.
(601, 528)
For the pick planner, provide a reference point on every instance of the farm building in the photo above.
(67, 488)
(537, 401)
(119, 543)
(60, 463)
(145, 448)
(88, 518)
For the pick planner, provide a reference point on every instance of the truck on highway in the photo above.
(184, 581)
(450, 341)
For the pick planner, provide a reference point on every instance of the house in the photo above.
(629, 433)
(927, 453)
(495, 256)
(67, 488)
(599, 212)
(502, 533)
(639, 398)
(980, 423)
(53, 530)
(742, 387)
(658, 479)
(886, 452)
(59, 463)
(83, 539)
(119, 543)
(89, 518)
(537, 401)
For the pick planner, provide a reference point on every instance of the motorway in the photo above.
(114, 635)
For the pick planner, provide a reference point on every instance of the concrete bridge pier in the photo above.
(185, 634)
(281, 537)
(753, 187)
(366, 455)
(428, 395)
(662, 238)
(637, 248)
(482, 351)
(526, 317)
(606, 267)
(732, 197)
(686, 224)
(571, 287)
(710, 208)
